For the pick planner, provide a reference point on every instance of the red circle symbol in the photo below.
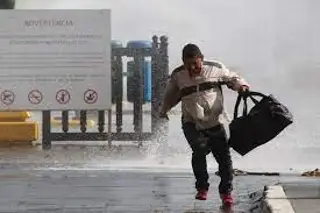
(90, 96)
(7, 97)
(35, 97)
(63, 96)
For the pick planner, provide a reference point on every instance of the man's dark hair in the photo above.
(191, 51)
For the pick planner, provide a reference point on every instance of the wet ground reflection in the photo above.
(84, 180)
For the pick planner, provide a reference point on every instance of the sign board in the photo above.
(55, 59)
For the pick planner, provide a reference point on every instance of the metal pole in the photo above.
(154, 96)
(110, 128)
(46, 130)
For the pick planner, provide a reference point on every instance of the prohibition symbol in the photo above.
(63, 96)
(90, 96)
(7, 97)
(35, 97)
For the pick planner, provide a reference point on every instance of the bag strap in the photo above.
(236, 107)
(200, 87)
(251, 95)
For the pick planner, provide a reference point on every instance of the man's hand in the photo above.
(244, 90)
(163, 115)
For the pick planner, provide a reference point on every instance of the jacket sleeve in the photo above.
(171, 95)
(233, 80)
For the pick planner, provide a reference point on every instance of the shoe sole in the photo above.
(227, 204)
(198, 198)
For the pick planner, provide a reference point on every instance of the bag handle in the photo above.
(251, 95)
(259, 94)
(236, 107)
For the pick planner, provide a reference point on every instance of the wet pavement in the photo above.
(93, 179)
(41, 190)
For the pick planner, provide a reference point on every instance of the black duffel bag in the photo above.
(266, 119)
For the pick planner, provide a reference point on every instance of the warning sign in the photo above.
(57, 55)
(90, 96)
(63, 96)
(35, 97)
(7, 97)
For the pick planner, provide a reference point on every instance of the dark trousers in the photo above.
(203, 142)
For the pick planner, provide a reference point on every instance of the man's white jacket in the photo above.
(200, 95)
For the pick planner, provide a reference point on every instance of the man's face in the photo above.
(193, 65)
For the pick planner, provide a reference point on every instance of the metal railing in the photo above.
(160, 72)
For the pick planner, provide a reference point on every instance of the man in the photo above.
(197, 84)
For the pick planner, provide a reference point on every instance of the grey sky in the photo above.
(268, 38)
(245, 33)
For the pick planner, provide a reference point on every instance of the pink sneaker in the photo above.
(202, 194)
(226, 199)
